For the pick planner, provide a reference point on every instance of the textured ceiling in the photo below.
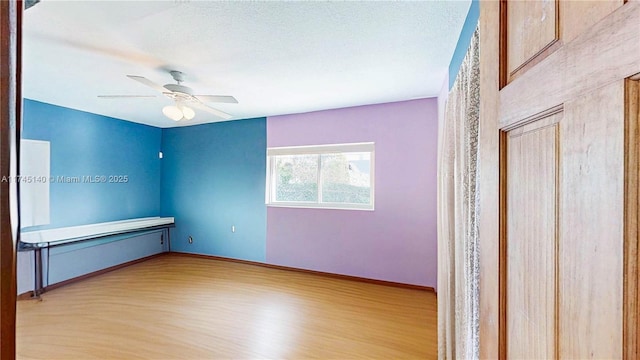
(274, 57)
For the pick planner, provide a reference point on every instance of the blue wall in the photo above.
(468, 28)
(85, 144)
(213, 177)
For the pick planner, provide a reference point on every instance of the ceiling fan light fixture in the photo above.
(172, 112)
(188, 112)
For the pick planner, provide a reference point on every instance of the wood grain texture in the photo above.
(531, 240)
(96, 273)
(30, 295)
(591, 225)
(177, 307)
(576, 68)
(10, 30)
(631, 309)
(587, 86)
(313, 272)
(531, 27)
(536, 121)
(488, 170)
(578, 16)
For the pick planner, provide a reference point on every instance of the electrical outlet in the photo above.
(190, 240)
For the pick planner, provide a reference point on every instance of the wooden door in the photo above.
(10, 103)
(559, 179)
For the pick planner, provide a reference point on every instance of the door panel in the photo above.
(564, 231)
(532, 158)
(606, 52)
(538, 33)
(591, 228)
(564, 244)
(578, 16)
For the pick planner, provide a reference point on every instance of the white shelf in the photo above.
(49, 237)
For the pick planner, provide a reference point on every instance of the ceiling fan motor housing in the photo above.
(179, 89)
(179, 92)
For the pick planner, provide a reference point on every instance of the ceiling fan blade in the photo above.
(125, 96)
(143, 80)
(217, 99)
(216, 112)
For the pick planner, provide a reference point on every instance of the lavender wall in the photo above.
(397, 241)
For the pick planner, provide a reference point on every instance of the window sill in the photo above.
(320, 206)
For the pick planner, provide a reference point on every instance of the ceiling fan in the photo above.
(182, 96)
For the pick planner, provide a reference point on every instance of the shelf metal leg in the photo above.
(37, 289)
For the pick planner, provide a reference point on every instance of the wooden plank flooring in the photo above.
(177, 307)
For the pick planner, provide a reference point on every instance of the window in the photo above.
(325, 176)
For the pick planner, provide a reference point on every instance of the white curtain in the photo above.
(458, 292)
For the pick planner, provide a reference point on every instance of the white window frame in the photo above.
(318, 150)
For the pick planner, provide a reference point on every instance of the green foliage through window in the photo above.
(343, 179)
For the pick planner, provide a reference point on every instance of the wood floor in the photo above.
(178, 307)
